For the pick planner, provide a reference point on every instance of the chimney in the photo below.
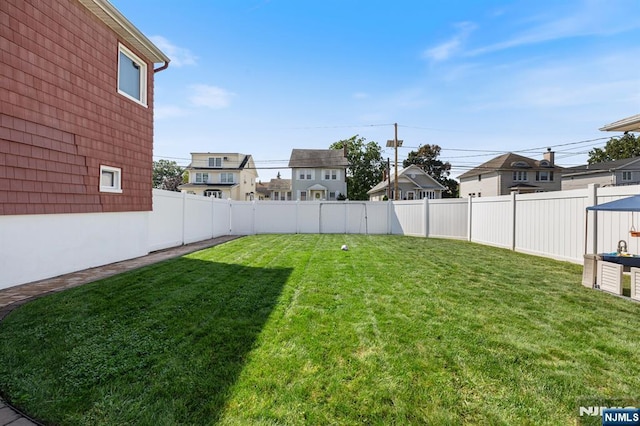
(344, 150)
(550, 156)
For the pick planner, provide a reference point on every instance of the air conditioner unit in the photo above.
(225, 158)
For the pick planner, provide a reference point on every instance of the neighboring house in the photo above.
(76, 108)
(222, 175)
(279, 189)
(608, 173)
(318, 174)
(509, 173)
(413, 184)
(262, 192)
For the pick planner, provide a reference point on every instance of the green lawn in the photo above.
(275, 329)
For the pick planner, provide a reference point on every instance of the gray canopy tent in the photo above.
(628, 204)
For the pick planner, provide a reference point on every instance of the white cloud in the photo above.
(179, 56)
(210, 96)
(447, 49)
(587, 18)
(360, 95)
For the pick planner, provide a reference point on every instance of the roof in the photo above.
(317, 158)
(115, 20)
(629, 124)
(405, 175)
(629, 204)
(605, 166)
(507, 162)
(279, 184)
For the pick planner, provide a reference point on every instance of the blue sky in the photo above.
(478, 78)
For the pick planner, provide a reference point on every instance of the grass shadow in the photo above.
(171, 337)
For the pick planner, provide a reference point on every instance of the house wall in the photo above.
(61, 116)
(297, 185)
(488, 186)
(581, 182)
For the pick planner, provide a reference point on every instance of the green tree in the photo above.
(365, 166)
(626, 146)
(167, 175)
(426, 157)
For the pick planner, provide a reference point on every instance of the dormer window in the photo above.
(545, 163)
(215, 162)
(520, 164)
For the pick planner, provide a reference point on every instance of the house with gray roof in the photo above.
(607, 173)
(413, 184)
(509, 173)
(318, 174)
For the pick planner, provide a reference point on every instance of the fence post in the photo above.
(513, 221)
(469, 217)
(591, 223)
(425, 210)
(184, 215)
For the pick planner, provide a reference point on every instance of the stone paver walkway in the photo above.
(13, 297)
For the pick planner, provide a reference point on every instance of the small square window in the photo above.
(132, 76)
(110, 179)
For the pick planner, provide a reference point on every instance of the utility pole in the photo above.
(395, 143)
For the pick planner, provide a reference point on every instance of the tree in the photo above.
(626, 146)
(426, 157)
(167, 175)
(365, 166)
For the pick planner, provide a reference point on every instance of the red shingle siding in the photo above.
(61, 116)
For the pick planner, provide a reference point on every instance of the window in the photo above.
(303, 195)
(213, 193)
(330, 174)
(226, 177)
(132, 76)
(479, 178)
(215, 162)
(519, 176)
(305, 174)
(202, 177)
(626, 175)
(110, 179)
(544, 176)
(332, 195)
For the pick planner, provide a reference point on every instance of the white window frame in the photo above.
(627, 176)
(227, 177)
(520, 176)
(142, 100)
(215, 162)
(330, 174)
(305, 174)
(303, 196)
(116, 174)
(203, 177)
(543, 176)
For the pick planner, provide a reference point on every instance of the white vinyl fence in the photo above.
(550, 224)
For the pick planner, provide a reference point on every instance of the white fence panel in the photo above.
(35, 247)
(448, 218)
(308, 218)
(333, 219)
(198, 211)
(551, 224)
(166, 220)
(492, 221)
(242, 215)
(221, 217)
(408, 218)
(276, 217)
(378, 217)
